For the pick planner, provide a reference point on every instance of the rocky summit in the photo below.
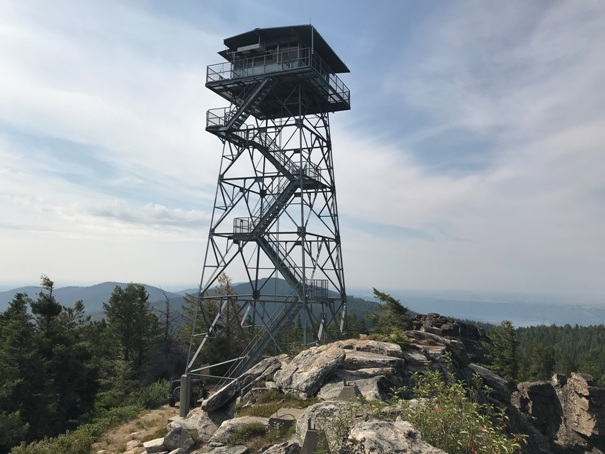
(564, 415)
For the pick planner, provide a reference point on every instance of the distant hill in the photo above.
(521, 310)
(94, 296)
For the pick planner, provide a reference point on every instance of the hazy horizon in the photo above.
(497, 296)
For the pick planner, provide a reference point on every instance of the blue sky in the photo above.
(472, 158)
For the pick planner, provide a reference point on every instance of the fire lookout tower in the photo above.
(275, 216)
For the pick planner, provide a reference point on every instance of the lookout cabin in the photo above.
(294, 64)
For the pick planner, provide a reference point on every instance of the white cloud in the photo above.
(533, 219)
(122, 85)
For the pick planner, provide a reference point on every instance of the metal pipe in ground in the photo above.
(185, 395)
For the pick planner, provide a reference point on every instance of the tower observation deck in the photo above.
(275, 217)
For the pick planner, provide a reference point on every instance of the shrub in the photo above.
(267, 403)
(152, 396)
(448, 419)
(247, 433)
(80, 440)
(444, 414)
(394, 337)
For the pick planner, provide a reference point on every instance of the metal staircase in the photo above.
(238, 116)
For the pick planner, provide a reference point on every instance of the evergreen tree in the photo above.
(502, 353)
(232, 338)
(132, 326)
(537, 363)
(47, 373)
(69, 388)
(356, 326)
(169, 351)
(588, 364)
(564, 364)
(391, 317)
(194, 322)
(229, 338)
(18, 366)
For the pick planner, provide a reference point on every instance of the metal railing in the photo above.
(276, 62)
(219, 117)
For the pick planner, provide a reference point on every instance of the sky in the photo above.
(471, 160)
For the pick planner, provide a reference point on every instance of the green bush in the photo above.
(247, 432)
(267, 403)
(394, 337)
(444, 414)
(450, 420)
(152, 396)
(80, 440)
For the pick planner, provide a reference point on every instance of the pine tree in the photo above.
(18, 364)
(229, 338)
(391, 317)
(502, 353)
(70, 383)
(132, 326)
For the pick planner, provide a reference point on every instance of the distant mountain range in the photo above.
(522, 312)
(95, 295)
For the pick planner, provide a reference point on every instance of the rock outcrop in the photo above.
(472, 337)
(373, 366)
(569, 411)
(565, 415)
(386, 437)
(304, 375)
(234, 388)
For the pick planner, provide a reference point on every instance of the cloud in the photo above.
(122, 92)
(470, 160)
(524, 89)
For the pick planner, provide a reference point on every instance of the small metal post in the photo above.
(185, 395)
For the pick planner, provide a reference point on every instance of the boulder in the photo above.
(233, 389)
(371, 346)
(177, 438)
(179, 451)
(497, 384)
(288, 447)
(199, 423)
(306, 373)
(386, 437)
(358, 359)
(322, 415)
(374, 388)
(471, 336)
(239, 449)
(415, 358)
(153, 446)
(539, 401)
(567, 411)
(584, 405)
(227, 429)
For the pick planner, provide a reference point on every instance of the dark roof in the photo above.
(306, 33)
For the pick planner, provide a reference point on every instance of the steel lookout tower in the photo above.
(275, 216)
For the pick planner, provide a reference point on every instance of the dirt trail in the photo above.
(147, 425)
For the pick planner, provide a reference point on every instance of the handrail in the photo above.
(279, 62)
(219, 117)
